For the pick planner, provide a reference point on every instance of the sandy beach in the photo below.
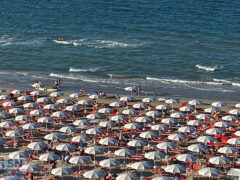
(131, 131)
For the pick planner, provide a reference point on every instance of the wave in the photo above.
(206, 68)
(83, 70)
(8, 41)
(82, 78)
(66, 42)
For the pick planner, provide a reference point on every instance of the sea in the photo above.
(177, 48)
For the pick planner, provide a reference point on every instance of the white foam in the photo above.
(223, 81)
(236, 84)
(206, 68)
(83, 70)
(5, 40)
(82, 78)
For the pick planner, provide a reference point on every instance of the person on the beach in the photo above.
(139, 91)
(82, 91)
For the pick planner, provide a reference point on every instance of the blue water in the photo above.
(174, 48)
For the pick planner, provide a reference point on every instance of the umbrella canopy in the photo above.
(65, 147)
(45, 120)
(95, 96)
(51, 106)
(148, 134)
(30, 126)
(81, 139)
(211, 110)
(84, 102)
(127, 176)
(195, 123)
(143, 165)
(68, 129)
(175, 168)
(109, 163)
(186, 157)
(136, 143)
(94, 131)
(222, 124)
(79, 159)
(56, 94)
(206, 139)
(105, 110)
(197, 148)
(116, 104)
(129, 111)
(9, 104)
(16, 111)
(17, 91)
(15, 133)
(178, 115)
(60, 171)
(108, 141)
(36, 93)
(218, 104)
(234, 111)
(124, 152)
(44, 100)
(144, 119)
(166, 145)
(163, 107)
(194, 102)
(204, 116)
(4, 97)
(81, 122)
(227, 150)
(172, 101)
(140, 106)
(63, 101)
(72, 108)
(107, 124)
(29, 168)
(94, 150)
(94, 174)
(209, 172)
(169, 121)
(24, 98)
(4, 115)
(186, 109)
(148, 100)
(30, 105)
(234, 141)
(126, 98)
(49, 157)
(186, 129)
(160, 127)
(219, 160)
(59, 114)
(7, 124)
(234, 172)
(37, 145)
(118, 118)
(37, 112)
(21, 118)
(213, 131)
(94, 116)
(133, 126)
(177, 137)
(229, 118)
(153, 113)
(154, 155)
(76, 95)
(18, 155)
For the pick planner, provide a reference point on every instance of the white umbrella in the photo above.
(37, 145)
(44, 100)
(209, 172)
(16, 91)
(186, 157)
(21, 118)
(30, 126)
(51, 106)
(16, 111)
(163, 178)
(76, 95)
(211, 110)
(81, 139)
(118, 118)
(126, 98)
(94, 116)
(169, 121)
(45, 120)
(235, 111)
(177, 137)
(140, 106)
(205, 139)
(84, 102)
(95, 96)
(197, 148)
(234, 141)
(68, 129)
(56, 94)
(59, 114)
(53, 136)
(94, 131)
(148, 134)
(4, 115)
(237, 133)
(129, 111)
(219, 160)
(116, 104)
(163, 107)
(49, 157)
(194, 102)
(237, 105)
(109, 163)
(213, 131)
(195, 123)
(218, 104)
(154, 155)
(166, 145)
(130, 88)
(36, 93)
(108, 141)
(186, 109)
(127, 176)
(29, 168)
(124, 152)
(30, 105)
(94, 174)
(15, 133)
(222, 124)
(11, 178)
(65, 147)
(7, 124)
(178, 115)
(60, 171)
(186, 129)
(153, 113)
(81, 122)
(63, 101)
(144, 119)
(229, 118)
(105, 110)
(148, 100)
(18, 155)
(175, 168)
(133, 126)
(136, 143)
(107, 124)
(37, 85)
(227, 150)
(4, 97)
(24, 98)
(9, 104)
(37, 112)
(143, 165)
(160, 127)
(3, 90)
(79, 159)
(234, 172)
(172, 101)
(204, 116)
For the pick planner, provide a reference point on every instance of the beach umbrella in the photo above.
(218, 104)
(219, 160)
(108, 141)
(161, 99)
(94, 174)
(237, 133)
(108, 163)
(107, 124)
(130, 88)
(213, 131)
(177, 137)
(9, 104)
(59, 114)
(105, 110)
(18, 155)
(222, 124)
(144, 119)
(79, 159)
(118, 118)
(4, 115)
(81, 139)
(127, 176)
(63, 101)
(116, 104)
(153, 113)
(229, 118)
(186, 157)
(76, 95)
(94, 131)
(179, 115)
(7, 124)
(45, 120)
(14, 133)
(44, 100)
(29, 168)
(5, 96)
(204, 116)
(234, 141)
(65, 147)
(169, 121)
(37, 85)
(154, 155)
(133, 126)
(136, 143)
(197, 148)
(24, 98)
(11, 178)
(53, 136)
(195, 123)
(21, 118)
(166, 145)
(227, 150)
(36, 93)
(94, 150)
(84, 102)
(16, 111)
(2, 141)
(3, 90)
(94, 116)
(237, 105)
(37, 112)
(163, 178)
(51, 107)
(234, 111)
(130, 112)
(194, 102)
(163, 107)
(1, 108)
(234, 172)
(140, 106)
(143, 165)
(56, 94)
(37, 145)
(211, 110)
(68, 129)
(148, 100)
(148, 134)
(127, 98)
(49, 157)
(186, 129)
(186, 109)
(60, 171)
(206, 139)
(160, 127)
(30, 105)
(209, 172)
(172, 101)
(81, 122)
(30, 126)
(124, 152)
(17, 91)
(175, 168)
(95, 96)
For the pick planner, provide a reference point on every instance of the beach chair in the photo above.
(28, 175)
(196, 167)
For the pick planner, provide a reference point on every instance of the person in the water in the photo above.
(60, 39)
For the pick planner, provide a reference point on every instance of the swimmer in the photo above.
(59, 39)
